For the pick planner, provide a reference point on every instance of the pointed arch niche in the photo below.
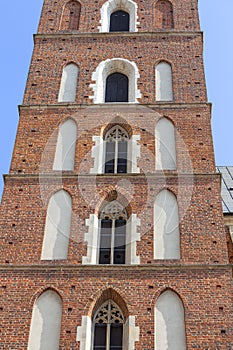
(110, 325)
(115, 65)
(163, 81)
(71, 16)
(46, 322)
(65, 148)
(112, 236)
(165, 145)
(169, 322)
(166, 226)
(68, 86)
(111, 6)
(164, 15)
(116, 152)
(57, 227)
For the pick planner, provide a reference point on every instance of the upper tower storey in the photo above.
(86, 16)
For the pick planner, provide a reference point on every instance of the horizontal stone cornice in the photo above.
(116, 268)
(117, 35)
(159, 174)
(158, 105)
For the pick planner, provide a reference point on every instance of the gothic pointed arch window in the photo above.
(112, 239)
(164, 15)
(117, 88)
(108, 327)
(71, 16)
(116, 149)
(119, 21)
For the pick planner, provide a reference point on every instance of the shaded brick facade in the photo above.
(202, 277)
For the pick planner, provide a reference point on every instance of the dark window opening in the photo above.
(117, 88)
(112, 241)
(119, 21)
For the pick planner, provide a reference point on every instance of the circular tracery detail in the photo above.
(114, 210)
(109, 313)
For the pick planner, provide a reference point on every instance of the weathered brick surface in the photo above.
(52, 53)
(203, 275)
(205, 296)
(185, 16)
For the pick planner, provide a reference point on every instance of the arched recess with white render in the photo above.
(163, 82)
(115, 65)
(57, 227)
(46, 322)
(169, 322)
(111, 6)
(68, 86)
(65, 148)
(166, 226)
(165, 145)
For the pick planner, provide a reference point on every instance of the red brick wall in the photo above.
(202, 277)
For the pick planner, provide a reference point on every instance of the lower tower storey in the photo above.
(127, 307)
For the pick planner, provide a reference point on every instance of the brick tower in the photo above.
(112, 235)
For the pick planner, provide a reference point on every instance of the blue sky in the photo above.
(18, 21)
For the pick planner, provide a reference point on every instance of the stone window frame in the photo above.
(92, 237)
(99, 150)
(111, 6)
(115, 65)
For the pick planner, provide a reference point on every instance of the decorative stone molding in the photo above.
(110, 66)
(113, 5)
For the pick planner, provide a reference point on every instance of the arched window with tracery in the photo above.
(164, 15)
(112, 240)
(108, 327)
(117, 88)
(71, 16)
(116, 149)
(119, 21)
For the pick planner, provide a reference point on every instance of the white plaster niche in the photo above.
(165, 144)
(114, 5)
(57, 227)
(166, 226)
(68, 86)
(46, 322)
(169, 322)
(163, 81)
(65, 148)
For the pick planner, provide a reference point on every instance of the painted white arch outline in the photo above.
(113, 5)
(120, 65)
